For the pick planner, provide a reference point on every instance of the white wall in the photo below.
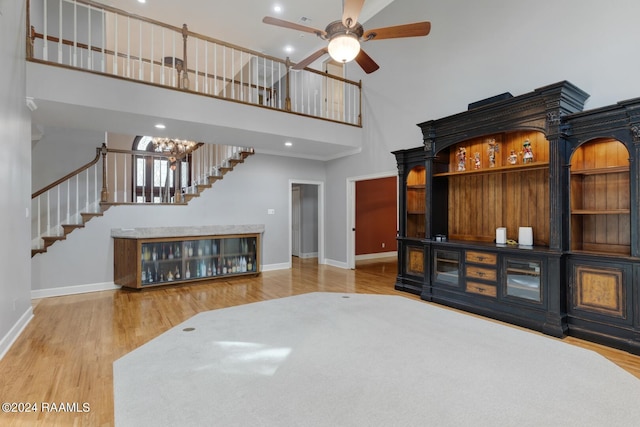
(61, 151)
(478, 49)
(242, 197)
(15, 176)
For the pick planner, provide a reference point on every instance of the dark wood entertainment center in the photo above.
(536, 161)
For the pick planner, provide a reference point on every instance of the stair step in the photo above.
(213, 179)
(50, 240)
(68, 228)
(236, 161)
(189, 196)
(86, 216)
(202, 187)
(224, 169)
(35, 252)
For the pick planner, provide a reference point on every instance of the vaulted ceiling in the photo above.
(239, 22)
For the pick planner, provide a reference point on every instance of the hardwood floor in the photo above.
(65, 354)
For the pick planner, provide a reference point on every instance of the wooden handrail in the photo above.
(69, 175)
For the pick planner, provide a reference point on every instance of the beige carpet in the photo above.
(330, 359)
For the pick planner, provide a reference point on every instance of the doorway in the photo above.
(306, 220)
(355, 232)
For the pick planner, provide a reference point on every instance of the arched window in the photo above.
(155, 175)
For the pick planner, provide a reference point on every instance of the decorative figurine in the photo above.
(476, 160)
(462, 159)
(528, 153)
(493, 149)
(513, 157)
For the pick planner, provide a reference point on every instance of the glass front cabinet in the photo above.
(147, 262)
(526, 209)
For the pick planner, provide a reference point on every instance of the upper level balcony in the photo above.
(208, 90)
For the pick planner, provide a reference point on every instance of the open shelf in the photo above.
(501, 169)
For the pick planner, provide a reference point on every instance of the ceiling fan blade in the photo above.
(408, 30)
(366, 63)
(292, 25)
(309, 59)
(351, 12)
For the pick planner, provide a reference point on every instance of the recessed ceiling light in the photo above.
(160, 126)
(288, 143)
(288, 49)
(277, 8)
(142, 1)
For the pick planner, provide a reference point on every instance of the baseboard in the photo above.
(334, 263)
(272, 267)
(309, 255)
(377, 255)
(72, 290)
(7, 341)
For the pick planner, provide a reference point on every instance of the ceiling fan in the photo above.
(346, 35)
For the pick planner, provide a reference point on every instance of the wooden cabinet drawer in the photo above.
(481, 273)
(481, 257)
(482, 289)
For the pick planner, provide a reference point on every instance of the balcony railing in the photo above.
(90, 36)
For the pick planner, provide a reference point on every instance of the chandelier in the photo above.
(174, 147)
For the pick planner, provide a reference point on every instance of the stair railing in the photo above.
(62, 201)
(127, 177)
(91, 36)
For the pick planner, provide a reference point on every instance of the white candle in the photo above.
(525, 236)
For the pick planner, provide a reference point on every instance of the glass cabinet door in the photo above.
(523, 279)
(446, 266)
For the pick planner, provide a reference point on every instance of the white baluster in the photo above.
(60, 32)
(86, 203)
(161, 66)
(128, 65)
(39, 220)
(197, 58)
(140, 66)
(124, 179)
(49, 212)
(115, 48)
(45, 38)
(233, 74)
(173, 58)
(95, 182)
(77, 196)
(68, 220)
(115, 178)
(75, 34)
(152, 51)
(206, 68)
(104, 53)
(224, 71)
(58, 210)
(89, 50)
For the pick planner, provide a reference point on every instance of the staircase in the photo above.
(74, 200)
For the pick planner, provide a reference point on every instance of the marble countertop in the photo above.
(187, 231)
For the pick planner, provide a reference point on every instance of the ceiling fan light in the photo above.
(344, 48)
